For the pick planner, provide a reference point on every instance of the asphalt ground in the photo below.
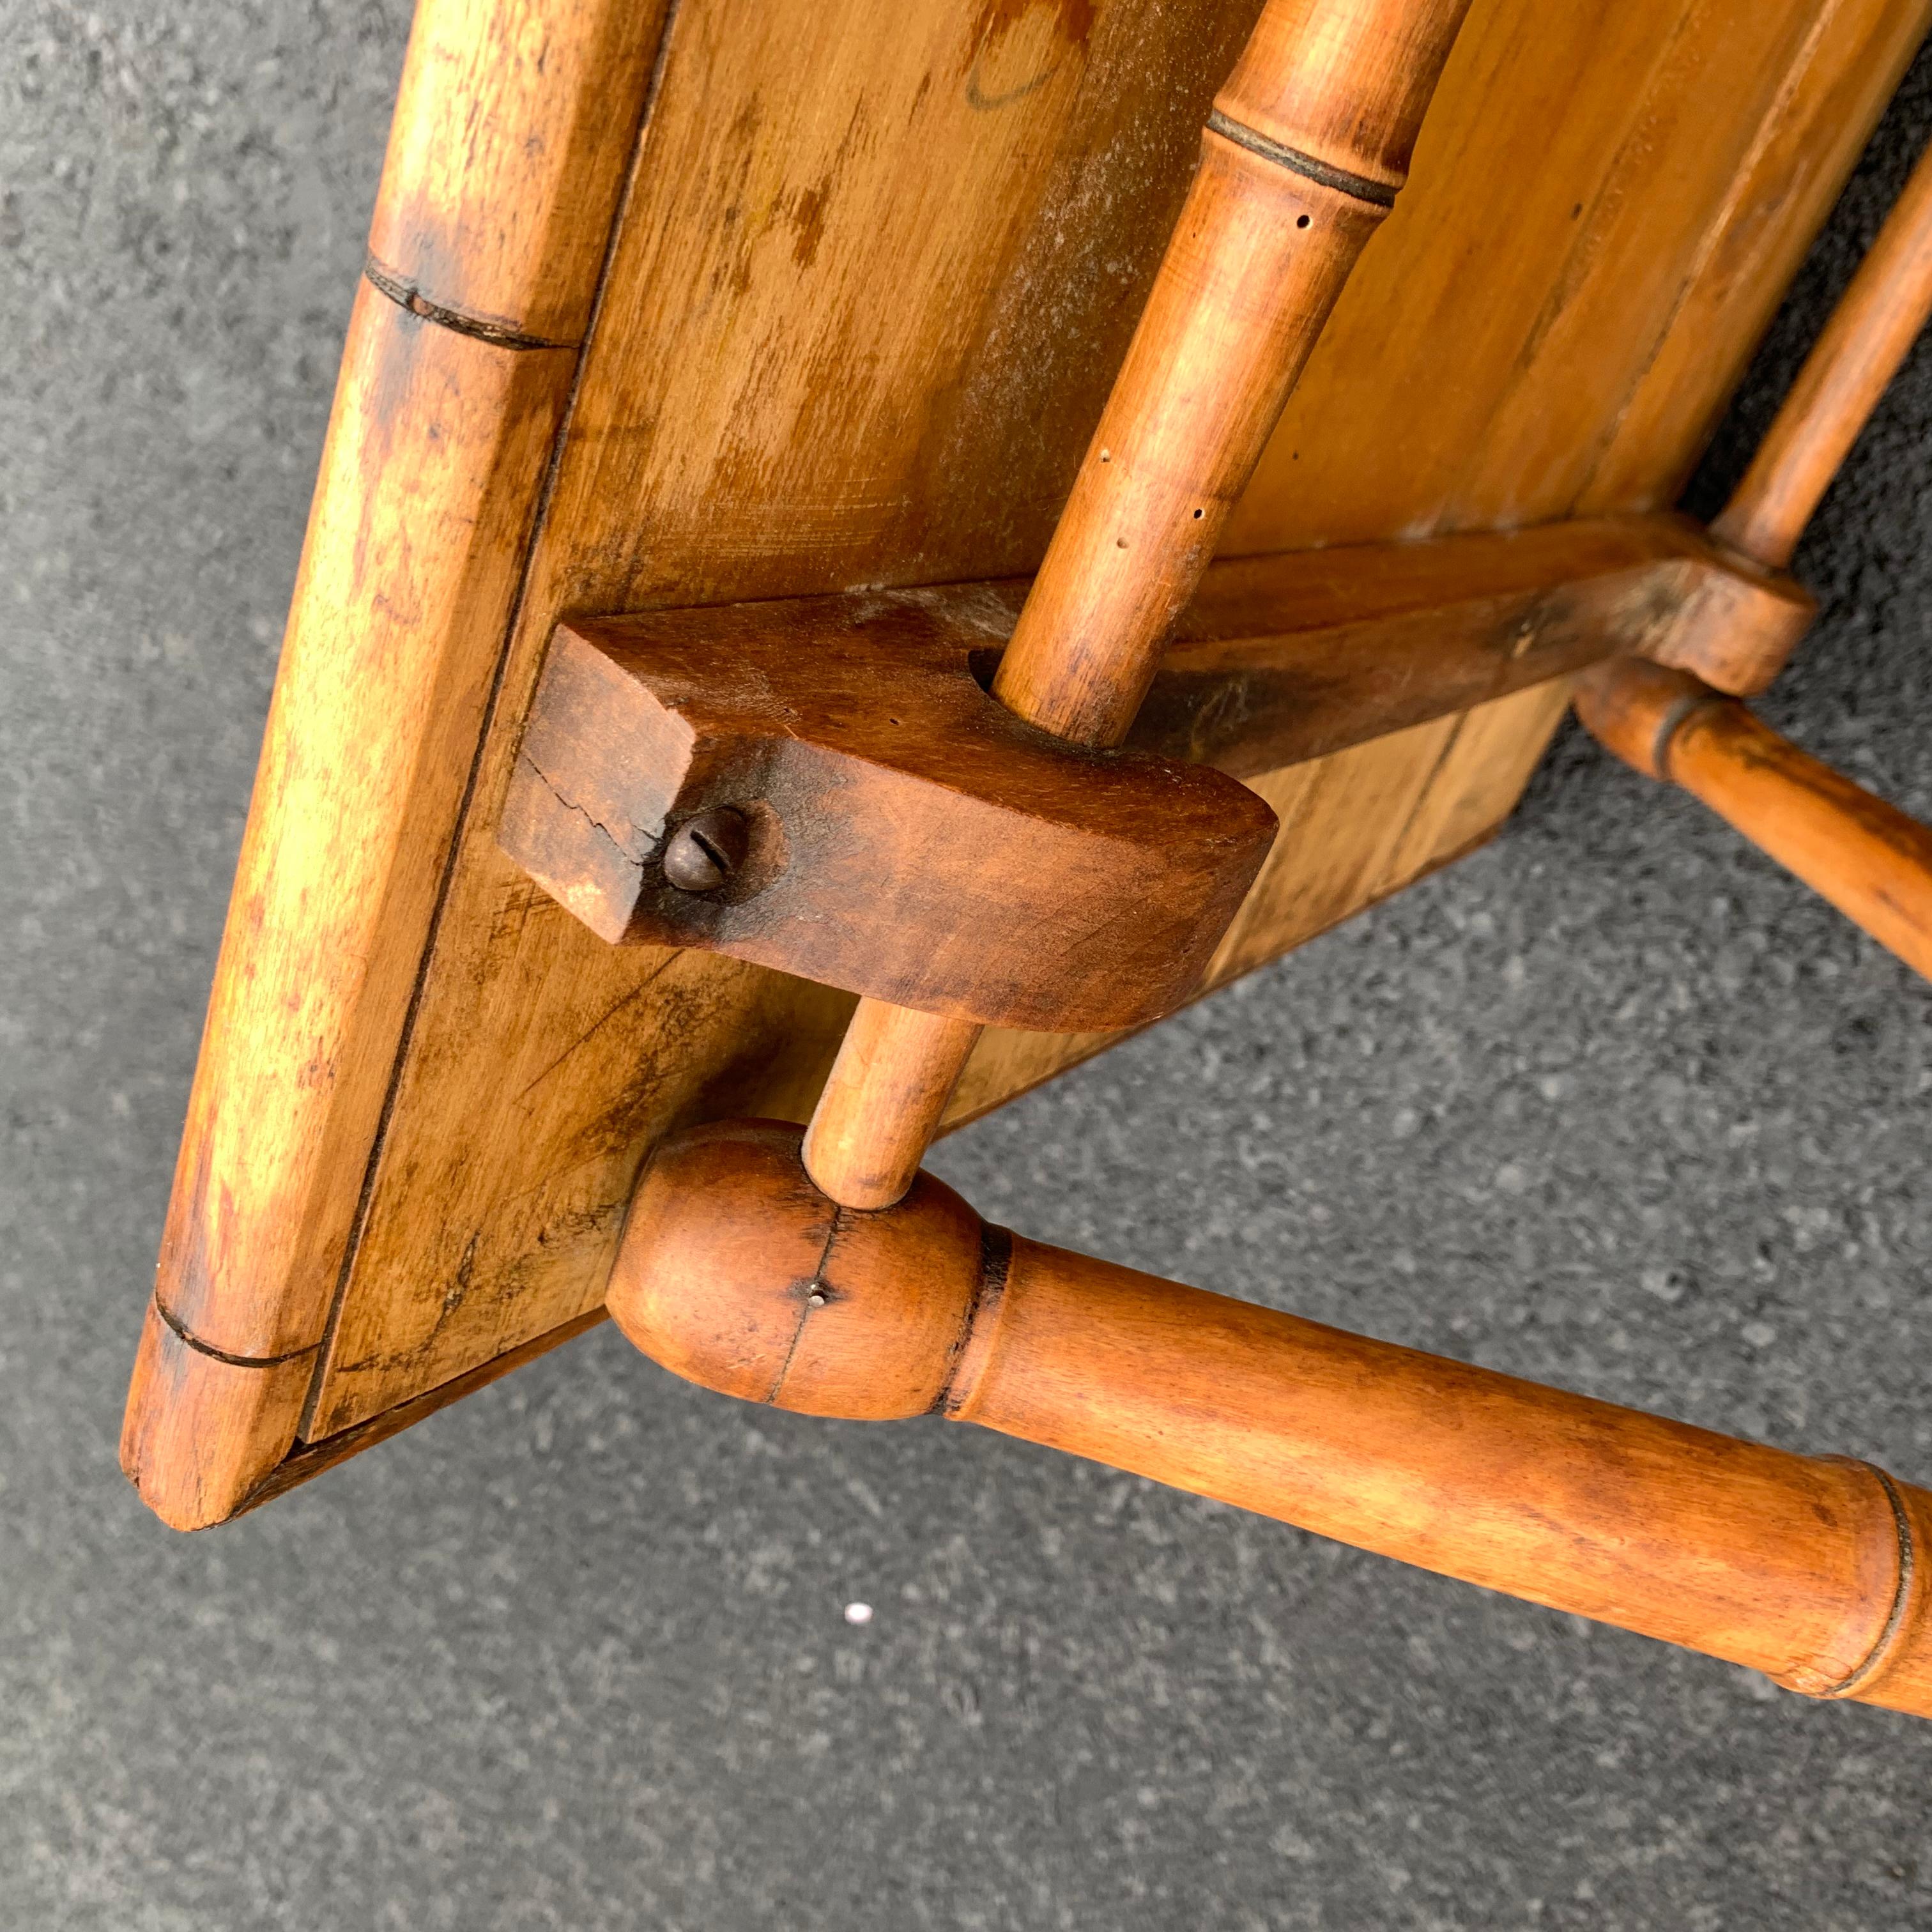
(1613, 1104)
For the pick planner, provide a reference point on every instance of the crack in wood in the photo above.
(405, 294)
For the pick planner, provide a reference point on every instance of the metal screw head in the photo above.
(706, 852)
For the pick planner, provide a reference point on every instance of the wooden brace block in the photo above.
(901, 834)
(1280, 660)
(1737, 628)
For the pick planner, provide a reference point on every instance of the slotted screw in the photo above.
(706, 852)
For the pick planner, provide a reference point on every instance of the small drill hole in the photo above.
(1198, 515)
(1304, 220)
(1106, 456)
(1120, 543)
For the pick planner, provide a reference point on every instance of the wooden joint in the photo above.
(822, 785)
(1635, 707)
(1890, 1645)
(894, 831)
(1321, 173)
(1311, 138)
(1737, 626)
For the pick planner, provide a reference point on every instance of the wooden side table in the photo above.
(863, 553)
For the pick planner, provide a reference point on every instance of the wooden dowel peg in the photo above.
(1867, 857)
(1869, 335)
(1307, 144)
(884, 1100)
(738, 1273)
(895, 1071)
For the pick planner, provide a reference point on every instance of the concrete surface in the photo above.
(1613, 1104)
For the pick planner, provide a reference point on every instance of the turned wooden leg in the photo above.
(895, 1071)
(737, 1272)
(1307, 145)
(1870, 333)
(1871, 861)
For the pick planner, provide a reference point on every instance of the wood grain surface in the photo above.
(905, 835)
(898, 1062)
(1869, 335)
(514, 129)
(1307, 145)
(1605, 209)
(1271, 230)
(446, 415)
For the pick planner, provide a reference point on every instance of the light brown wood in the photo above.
(804, 437)
(737, 1273)
(1870, 332)
(1271, 229)
(1308, 141)
(1867, 857)
(513, 127)
(1740, 648)
(437, 448)
(412, 554)
(1737, 629)
(884, 1099)
(1811, 125)
(890, 1085)
(1284, 658)
(489, 1226)
(752, 421)
(898, 834)
(203, 1430)
(1257, 260)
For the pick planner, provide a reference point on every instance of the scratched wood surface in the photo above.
(865, 298)
(802, 446)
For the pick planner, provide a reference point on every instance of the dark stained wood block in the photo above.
(908, 838)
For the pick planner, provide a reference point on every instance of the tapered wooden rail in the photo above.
(1731, 645)
(1859, 351)
(1672, 718)
(889, 829)
(739, 1274)
(1307, 145)
(1867, 857)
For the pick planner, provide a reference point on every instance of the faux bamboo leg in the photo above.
(1739, 644)
(1867, 857)
(1869, 335)
(1303, 155)
(738, 1273)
